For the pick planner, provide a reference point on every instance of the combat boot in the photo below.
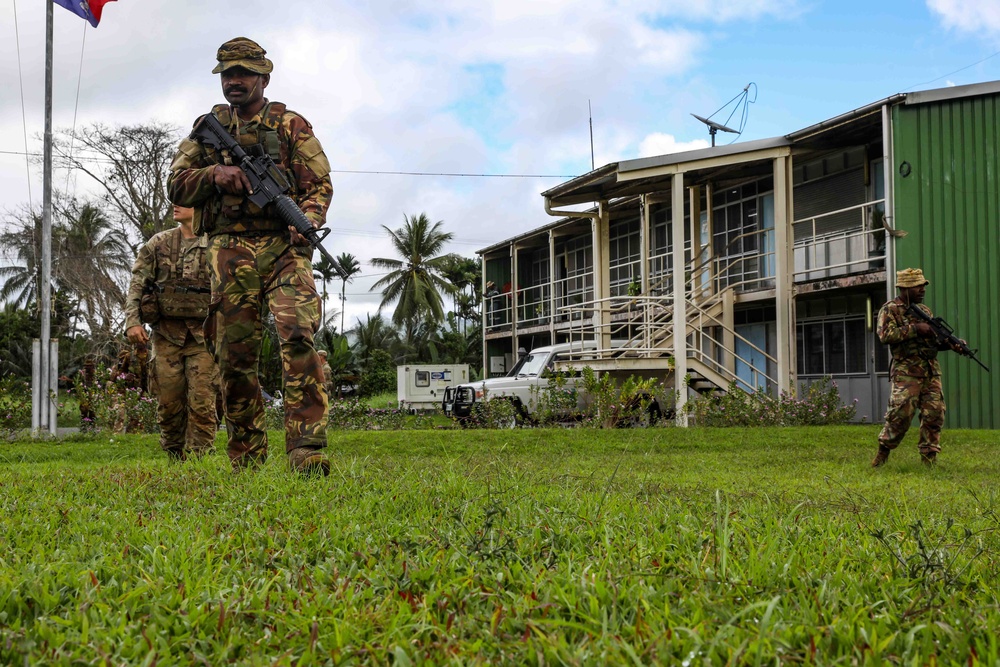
(881, 457)
(309, 461)
(928, 458)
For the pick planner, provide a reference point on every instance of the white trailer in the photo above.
(421, 386)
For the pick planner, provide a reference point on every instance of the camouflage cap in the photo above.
(911, 278)
(243, 52)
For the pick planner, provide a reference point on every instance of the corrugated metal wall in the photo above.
(950, 205)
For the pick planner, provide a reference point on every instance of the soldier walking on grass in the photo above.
(170, 292)
(915, 372)
(258, 261)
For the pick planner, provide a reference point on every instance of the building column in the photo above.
(679, 298)
(602, 272)
(513, 296)
(784, 266)
(552, 286)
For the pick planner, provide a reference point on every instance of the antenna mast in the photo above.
(590, 111)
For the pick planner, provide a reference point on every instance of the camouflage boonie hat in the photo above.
(911, 278)
(243, 52)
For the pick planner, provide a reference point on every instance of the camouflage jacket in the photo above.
(912, 354)
(284, 135)
(156, 264)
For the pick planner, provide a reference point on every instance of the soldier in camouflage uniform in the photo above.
(170, 291)
(327, 373)
(915, 372)
(257, 261)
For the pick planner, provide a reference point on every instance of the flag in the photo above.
(85, 9)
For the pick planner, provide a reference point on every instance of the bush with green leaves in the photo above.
(378, 375)
(821, 405)
(613, 404)
(493, 412)
(15, 406)
(354, 414)
(554, 401)
(116, 404)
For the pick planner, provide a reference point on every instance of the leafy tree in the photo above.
(464, 273)
(349, 267)
(324, 270)
(415, 281)
(130, 164)
(378, 375)
(373, 334)
(94, 261)
(340, 356)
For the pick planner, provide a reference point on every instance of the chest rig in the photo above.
(228, 213)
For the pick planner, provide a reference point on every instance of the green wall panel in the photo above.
(949, 203)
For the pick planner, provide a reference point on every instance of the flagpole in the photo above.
(46, 409)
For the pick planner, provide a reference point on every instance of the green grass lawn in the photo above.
(554, 546)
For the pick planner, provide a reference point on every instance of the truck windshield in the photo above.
(533, 364)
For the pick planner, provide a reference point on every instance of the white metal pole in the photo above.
(680, 299)
(36, 390)
(45, 288)
(53, 402)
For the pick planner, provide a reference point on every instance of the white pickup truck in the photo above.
(526, 383)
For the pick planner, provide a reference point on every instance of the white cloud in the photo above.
(663, 144)
(399, 86)
(975, 16)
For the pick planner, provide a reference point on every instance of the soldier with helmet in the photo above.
(258, 262)
(915, 372)
(170, 292)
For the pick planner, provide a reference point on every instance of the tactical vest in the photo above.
(184, 298)
(225, 213)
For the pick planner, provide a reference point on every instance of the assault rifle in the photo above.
(945, 334)
(267, 182)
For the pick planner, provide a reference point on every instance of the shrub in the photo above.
(353, 414)
(15, 406)
(613, 405)
(821, 405)
(490, 412)
(116, 405)
(379, 375)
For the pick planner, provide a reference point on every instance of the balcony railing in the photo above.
(826, 250)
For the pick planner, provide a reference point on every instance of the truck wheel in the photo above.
(516, 419)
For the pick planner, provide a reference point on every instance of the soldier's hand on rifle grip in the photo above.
(137, 335)
(231, 180)
(924, 329)
(296, 238)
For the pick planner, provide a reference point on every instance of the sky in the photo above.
(494, 87)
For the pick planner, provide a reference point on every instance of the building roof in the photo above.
(632, 177)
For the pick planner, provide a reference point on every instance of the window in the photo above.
(422, 378)
(832, 347)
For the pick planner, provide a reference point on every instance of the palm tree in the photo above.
(464, 273)
(349, 267)
(324, 270)
(373, 334)
(415, 281)
(95, 264)
(22, 280)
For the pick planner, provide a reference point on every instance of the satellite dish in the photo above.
(714, 127)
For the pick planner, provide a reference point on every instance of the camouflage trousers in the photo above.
(908, 395)
(185, 381)
(249, 273)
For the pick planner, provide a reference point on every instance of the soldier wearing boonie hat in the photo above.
(915, 373)
(245, 53)
(258, 261)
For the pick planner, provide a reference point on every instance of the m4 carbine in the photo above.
(267, 182)
(945, 334)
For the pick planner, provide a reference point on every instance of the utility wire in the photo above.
(76, 104)
(346, 171)
(24, 118)
(960, 69)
